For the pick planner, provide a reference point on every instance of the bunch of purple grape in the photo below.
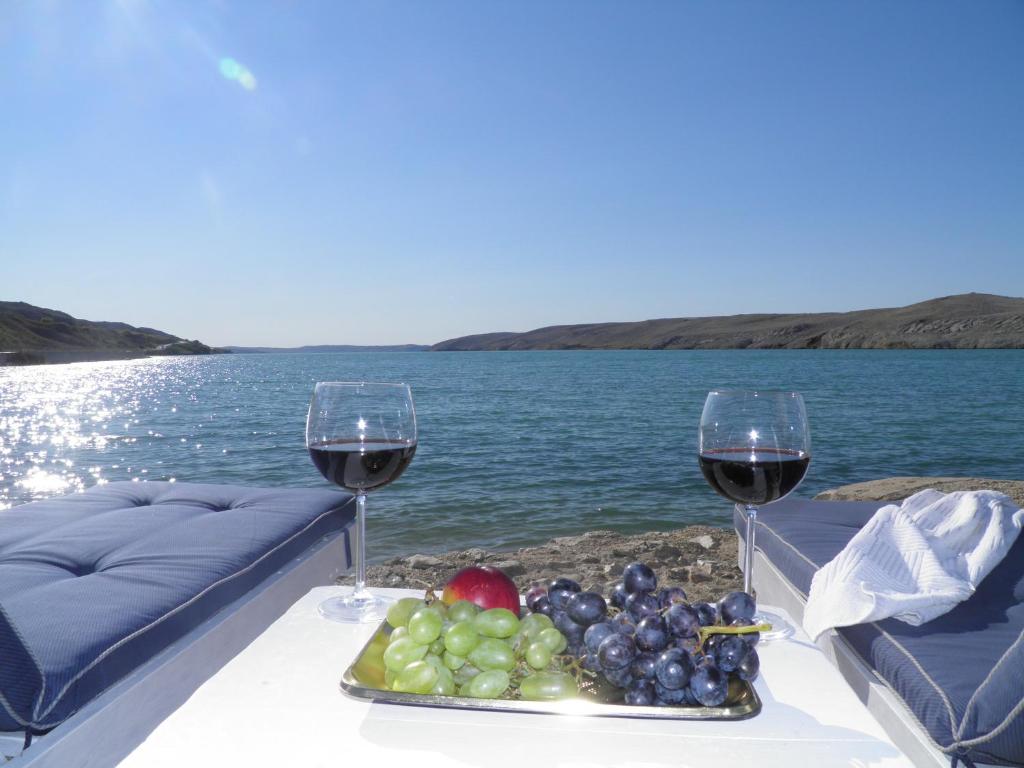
(648, 641)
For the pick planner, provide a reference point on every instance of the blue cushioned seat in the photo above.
(95, 584)
(962, 674)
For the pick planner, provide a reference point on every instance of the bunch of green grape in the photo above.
(461, 650)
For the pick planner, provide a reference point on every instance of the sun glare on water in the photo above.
(64, 428)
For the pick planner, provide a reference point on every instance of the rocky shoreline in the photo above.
(701, 559)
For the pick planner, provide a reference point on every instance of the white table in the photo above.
(278, 704)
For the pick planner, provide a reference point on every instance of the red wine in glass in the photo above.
(361, 436)
(753, 476)
(361, 465)
(755, 448)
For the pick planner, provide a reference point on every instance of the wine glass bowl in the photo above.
(361, 436)
(361, 466)
(755, 448)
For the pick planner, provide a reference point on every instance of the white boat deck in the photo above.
(277, 703)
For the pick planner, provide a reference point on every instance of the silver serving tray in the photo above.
(365, 680)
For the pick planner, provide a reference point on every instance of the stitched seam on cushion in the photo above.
(176, 609)
(986, 681)
(32, 656)
(926, 676)
(896, 694)
(796, 551)
(10, 711)
(995, 731)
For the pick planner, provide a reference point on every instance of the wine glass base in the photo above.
(781, 628)
(355, 608)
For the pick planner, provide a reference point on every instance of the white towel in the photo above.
(914, 561)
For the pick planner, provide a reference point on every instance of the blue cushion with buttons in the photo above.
(95, 584)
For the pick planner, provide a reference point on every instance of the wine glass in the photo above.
(361, 436)
(755, 447)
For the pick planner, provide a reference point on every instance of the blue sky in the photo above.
(390, 172)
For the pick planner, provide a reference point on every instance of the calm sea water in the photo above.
(514, 447)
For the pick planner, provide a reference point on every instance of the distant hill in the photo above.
(966, 321)
(337, 348)
(31, 334)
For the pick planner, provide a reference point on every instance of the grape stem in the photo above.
(572, 665)
(706, 632)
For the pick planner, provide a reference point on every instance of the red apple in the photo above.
(486, 586)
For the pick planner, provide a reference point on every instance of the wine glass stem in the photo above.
(748, 552)
(360, 589)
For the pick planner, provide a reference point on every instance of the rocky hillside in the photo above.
(31, 334)
(966, 321)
